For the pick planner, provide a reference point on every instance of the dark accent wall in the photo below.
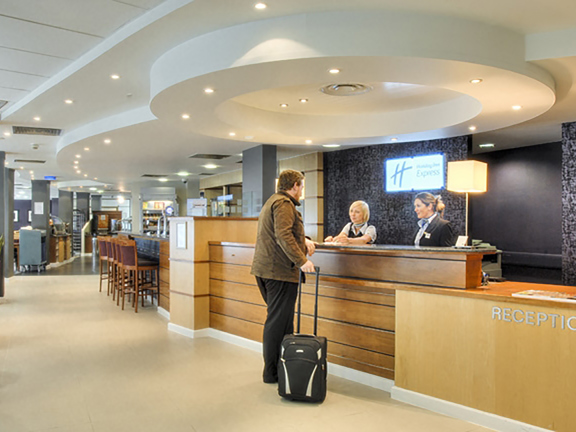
(522, 210)
(23, 206)
(569, 203)
(358, 174)
(258, 178)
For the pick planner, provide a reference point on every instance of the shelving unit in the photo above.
(78, 221)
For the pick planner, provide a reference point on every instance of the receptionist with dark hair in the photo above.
(433, 230)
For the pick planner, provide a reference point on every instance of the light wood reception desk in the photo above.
(420, 317)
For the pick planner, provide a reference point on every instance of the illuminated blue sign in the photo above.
(415, 173)
(49, 177)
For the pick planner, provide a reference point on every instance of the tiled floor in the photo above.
(70, 360)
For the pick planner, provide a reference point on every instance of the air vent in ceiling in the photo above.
(206, 174)
(208, 156)
(2, 103)
(25, 130)
(29, 161)
(154, 175)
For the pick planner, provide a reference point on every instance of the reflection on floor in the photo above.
(81, 265)
(71, 360)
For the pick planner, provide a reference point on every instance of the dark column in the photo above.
(96, 202)
(83, 204)
(41, 210)
(569, 203)
(65, 206)
(8, 222)
(259, 169)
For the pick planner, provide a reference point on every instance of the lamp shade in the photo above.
(467, 176)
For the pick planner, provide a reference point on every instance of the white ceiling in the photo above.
(417, 57)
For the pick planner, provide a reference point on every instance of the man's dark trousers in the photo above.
(280, 298)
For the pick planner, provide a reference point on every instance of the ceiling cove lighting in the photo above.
(260, 6)
(486, 145)
(475, 81)
(331, 145)
(334, 71)
(185, 116)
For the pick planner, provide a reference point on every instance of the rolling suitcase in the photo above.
(302, 367)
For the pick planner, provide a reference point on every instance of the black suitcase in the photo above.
(302, 368)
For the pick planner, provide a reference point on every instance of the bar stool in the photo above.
(103, 248)
(136, 269)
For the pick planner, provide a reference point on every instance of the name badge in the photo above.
(427, 235)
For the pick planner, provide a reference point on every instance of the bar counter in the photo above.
(420, 317)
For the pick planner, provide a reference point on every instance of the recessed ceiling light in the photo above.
(284, 105)
(334, 71)
(76, 162)
(183, 174)
(95, 178)
(85, 175)
(68, 101)
(100, 191)
(6, 133)
(92, 188)
(86, 148)
(185, 116)
(487, 145)
(260, 5)
(472, 128)
(303, 100)
(31, 172)
(331, 145)
(78, 172)
(308, 141)
(232, 134)
(393, 139)
(37, 118)
(107, 141)
(163, 179)
(115, 76)
(210, 166)
(208, 90)
(475, 81)
(6, 162)
(78, 156)
(516, 107)
(21, 167)
(81, 187)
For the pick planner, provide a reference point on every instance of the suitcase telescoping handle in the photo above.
(315, 301)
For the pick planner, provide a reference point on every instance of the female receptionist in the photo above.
(357, 231)
(434, 231)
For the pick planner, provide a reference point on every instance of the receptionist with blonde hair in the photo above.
(357, 231)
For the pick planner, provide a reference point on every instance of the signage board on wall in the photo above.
(414, 173)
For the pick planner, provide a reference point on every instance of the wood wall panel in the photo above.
(237, 309)
(236, 291)
(231, 254)
(364, 367)
(238, 327)
(232, 273)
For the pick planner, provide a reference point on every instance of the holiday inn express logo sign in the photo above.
(414, 173)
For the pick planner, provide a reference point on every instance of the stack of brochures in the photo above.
(546, 295)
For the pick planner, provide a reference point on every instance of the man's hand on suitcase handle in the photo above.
(308, 267)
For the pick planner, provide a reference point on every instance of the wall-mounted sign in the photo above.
(228, 197)
(49, 177)
(414, 173)
(533, 318)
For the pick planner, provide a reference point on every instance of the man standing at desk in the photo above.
(280, 252)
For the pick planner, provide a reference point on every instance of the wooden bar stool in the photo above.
(136, 281)
(103, 249)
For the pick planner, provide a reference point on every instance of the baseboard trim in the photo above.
(471, 415)
(163, 312)
(184, 331)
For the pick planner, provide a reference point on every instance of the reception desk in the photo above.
(420, 317)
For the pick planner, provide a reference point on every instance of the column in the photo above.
(569, 203)
(83, 204)
(8, 222)
(96, 202)
(65, 207)
(259, 169)
(41, 210)
(136, 209)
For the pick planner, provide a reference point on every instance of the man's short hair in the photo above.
(288, 178)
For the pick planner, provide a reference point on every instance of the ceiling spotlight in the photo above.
(76, 162)
(516, 107)
(85, 175)
(37, 118)
(208, 90)
(334, 71)
(115, 77)
(92, 188)
(107, 141)
(68, 101)
(210, 166)
(472, 128)
(308, 141)
(475, 81)
(303, 100)
(183, 174)
(487, 145)
(95, 178)
(6, 133)
(331, 145)
(260, 6)
(78, 172)
(21, 167)
(393, 139)
(232, 134)
(86, 148)
(284, 105)
(185, 116)
(31, 172)
(163, 179)
(78, 156)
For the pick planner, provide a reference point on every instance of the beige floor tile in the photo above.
(72, 361)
